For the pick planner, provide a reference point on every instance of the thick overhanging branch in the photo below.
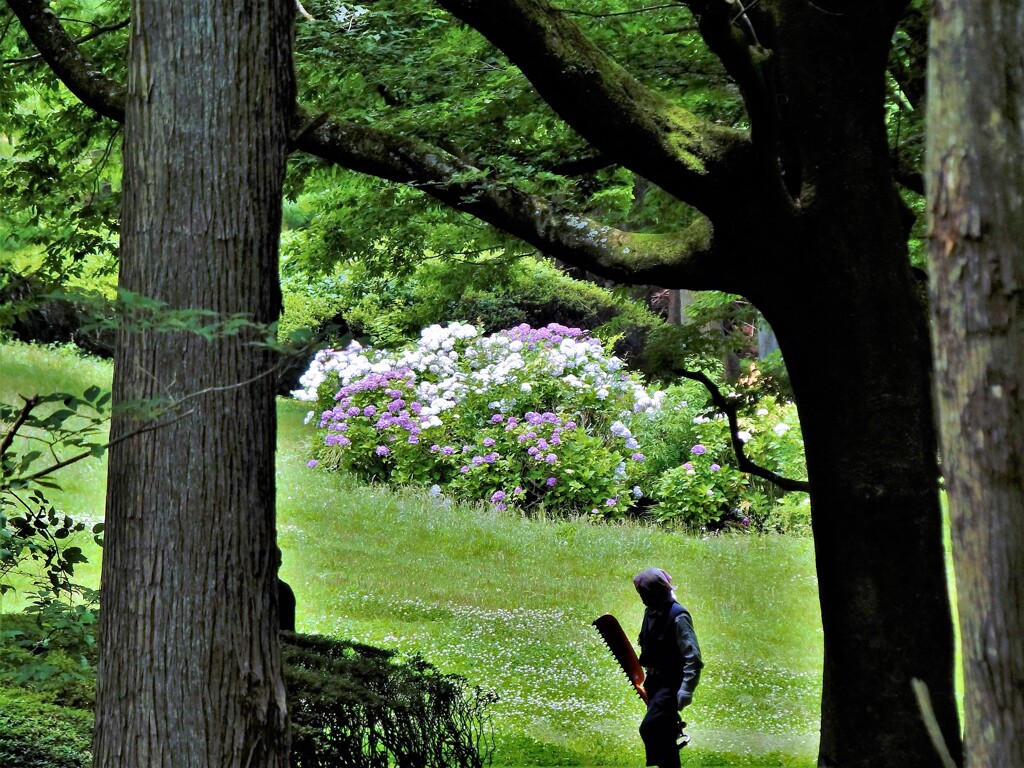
(731, 36)
(675, 260)
(692, 159)
(67, 61)
(627, 257)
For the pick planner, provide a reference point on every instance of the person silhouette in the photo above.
(670, 654)
(285, 601)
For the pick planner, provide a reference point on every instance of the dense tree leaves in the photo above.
(60, 189)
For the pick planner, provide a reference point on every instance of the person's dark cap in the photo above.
(654, 586)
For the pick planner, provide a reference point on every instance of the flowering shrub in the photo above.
(540, 419)
(691, 470)
(699, 492)
(534, 418)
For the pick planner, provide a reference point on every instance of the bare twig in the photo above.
(745, 464)
(30, 403)
(107, 446)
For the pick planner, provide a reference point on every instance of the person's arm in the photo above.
(686, 639)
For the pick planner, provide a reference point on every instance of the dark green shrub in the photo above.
(34, 734)
(355, 705)
(30, 313)
(52, 671)
(351, 706)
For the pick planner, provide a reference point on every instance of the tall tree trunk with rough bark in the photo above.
(976, 202)
(189, 670)
(834, 280)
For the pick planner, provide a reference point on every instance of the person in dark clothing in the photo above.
(285, 600)
(285, 606)
(670, 655)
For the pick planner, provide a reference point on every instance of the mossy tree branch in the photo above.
(693, 159)
(688, 258)
(65, 58)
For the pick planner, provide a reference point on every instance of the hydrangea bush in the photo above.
(534, 418)
(541, 419)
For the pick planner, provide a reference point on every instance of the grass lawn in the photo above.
(507, 602)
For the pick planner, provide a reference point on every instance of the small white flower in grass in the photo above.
(743, 435)
(781, 428)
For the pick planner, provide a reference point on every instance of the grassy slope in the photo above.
(508, 602)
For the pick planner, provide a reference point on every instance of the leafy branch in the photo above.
(97, 30)
(693, 257)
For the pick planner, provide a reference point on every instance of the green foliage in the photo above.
(488, 290)
(354, 705)
(36, 734)
(668, 434)
(691, 465)
(61, 186)
(547, 421)
(37, 540)
(58, 668)
(698, 493)
(530, 418)
(349, 704)
(32, 529)
(790, 514)
(423, 74)
(308, 305)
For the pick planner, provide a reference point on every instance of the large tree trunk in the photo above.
(858, 360)
(189, 669)
(863, 394)
(976, 197)
(842, 300)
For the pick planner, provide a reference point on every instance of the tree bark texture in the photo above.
(833, 279)
(976, 230)
(862, 382)
(190, 671)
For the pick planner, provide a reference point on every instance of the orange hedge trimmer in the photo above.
(611, 632)
(622, 650)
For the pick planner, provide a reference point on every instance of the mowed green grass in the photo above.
(507, 603)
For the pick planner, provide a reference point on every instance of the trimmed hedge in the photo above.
(351, 706)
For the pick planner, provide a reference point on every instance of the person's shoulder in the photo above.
(678, 610)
